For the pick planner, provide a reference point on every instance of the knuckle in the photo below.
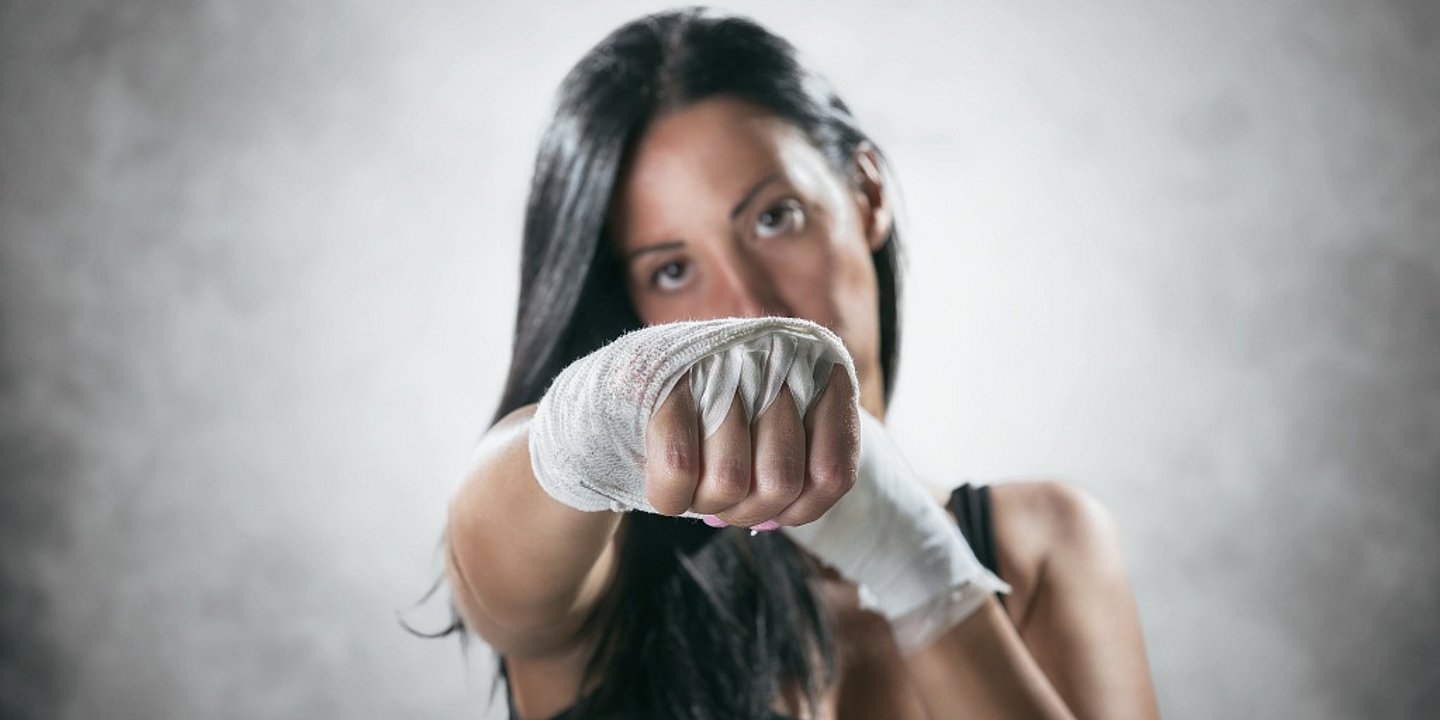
(833, 479)
(659, 499)
(677, 457)
(730, 479)
(662, 497)
(670, 476)
(783, 480)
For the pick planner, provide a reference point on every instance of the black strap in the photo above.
(971, 506)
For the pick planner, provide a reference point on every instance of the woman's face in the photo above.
(728, 211)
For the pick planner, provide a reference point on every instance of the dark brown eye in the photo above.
(670, 276)
(780, 218)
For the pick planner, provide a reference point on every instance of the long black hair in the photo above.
(701, 623)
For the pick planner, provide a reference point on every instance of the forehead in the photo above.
(698, 160)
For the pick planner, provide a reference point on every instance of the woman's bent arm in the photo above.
(1072, 602)
(1073, 633)
(526, 570)
(981, 668)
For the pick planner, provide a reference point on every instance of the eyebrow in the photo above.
(658, 247)
(754, 190)
(734, 213)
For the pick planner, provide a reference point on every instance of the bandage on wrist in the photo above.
(899, 545)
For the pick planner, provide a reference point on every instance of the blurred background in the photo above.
(258, 270)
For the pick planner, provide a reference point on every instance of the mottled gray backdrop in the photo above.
(258, 264)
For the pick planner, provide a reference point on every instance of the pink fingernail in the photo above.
(714, 522)
(766, 526)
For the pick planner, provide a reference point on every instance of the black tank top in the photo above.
(971, 506)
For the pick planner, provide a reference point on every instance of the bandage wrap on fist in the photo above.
(587, 449)
(587, 437)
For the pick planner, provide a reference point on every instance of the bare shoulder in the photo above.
(1040, 525)
(1035, 511)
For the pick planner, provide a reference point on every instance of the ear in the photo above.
(868, 182)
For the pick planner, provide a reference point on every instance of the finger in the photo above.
(672, 452)
(778, 439)
(832, 429)
(725, 464)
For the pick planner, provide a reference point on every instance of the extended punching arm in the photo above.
(887, 534)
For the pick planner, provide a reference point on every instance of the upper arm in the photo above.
(1060, 550)
(1036, 523)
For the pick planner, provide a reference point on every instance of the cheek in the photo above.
(855, 294)
(652, 312)
(839, 289)
(655, 309)
(645, 306)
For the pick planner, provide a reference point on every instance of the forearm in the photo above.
(526, 569)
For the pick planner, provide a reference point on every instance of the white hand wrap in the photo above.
(587, 437)
(587, 449)
(899, 545)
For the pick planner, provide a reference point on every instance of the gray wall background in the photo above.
(257, 270)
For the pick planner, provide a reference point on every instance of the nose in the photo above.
(747, 289)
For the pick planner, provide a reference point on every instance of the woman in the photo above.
(696, 169)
